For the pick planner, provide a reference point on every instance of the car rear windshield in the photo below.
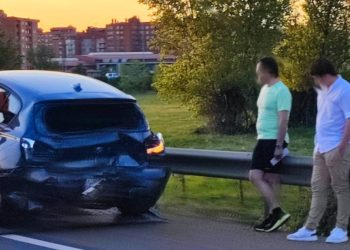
(82, 117)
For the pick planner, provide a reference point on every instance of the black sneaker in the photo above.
(261, 227)
(278, 219)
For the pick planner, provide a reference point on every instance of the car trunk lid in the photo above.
(91, 133)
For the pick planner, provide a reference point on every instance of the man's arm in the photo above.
(346, 138)
(282, 131)
(345, 107)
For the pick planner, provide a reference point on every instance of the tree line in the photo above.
(218, 42)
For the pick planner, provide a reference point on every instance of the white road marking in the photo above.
(40, 243)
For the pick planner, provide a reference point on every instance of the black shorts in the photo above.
(262, 155)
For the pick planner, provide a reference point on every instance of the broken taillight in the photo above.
(155, 144)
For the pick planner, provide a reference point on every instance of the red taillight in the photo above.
(155, 145)
(159, 149)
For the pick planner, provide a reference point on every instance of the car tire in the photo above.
(134, 208)
(6, 210)
(5, 207)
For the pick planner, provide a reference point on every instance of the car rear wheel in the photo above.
(5, 206)
(134, 208)
(6, 210)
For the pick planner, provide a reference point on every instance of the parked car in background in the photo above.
(71, 139)
(112, 75)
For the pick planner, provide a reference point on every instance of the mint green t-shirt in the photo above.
(272, 99)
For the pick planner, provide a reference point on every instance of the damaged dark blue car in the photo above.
(67, 139)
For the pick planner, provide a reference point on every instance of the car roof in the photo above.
(42, 85)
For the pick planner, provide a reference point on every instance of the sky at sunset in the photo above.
(79, 13)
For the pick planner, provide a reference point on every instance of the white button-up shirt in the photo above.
(333, 109)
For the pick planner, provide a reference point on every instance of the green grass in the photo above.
(213, 196)
(178, 126)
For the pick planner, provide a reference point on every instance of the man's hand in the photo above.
(278, 153)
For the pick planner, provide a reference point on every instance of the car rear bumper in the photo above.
(94, 188)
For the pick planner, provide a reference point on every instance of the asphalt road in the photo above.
(149, 232)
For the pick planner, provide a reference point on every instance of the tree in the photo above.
(324, 33)
(80, 69)
(217, 43)
(41, 58)
(9, 56)
(135, 77)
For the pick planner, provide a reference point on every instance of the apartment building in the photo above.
(129, 36)
(91, 40)
(62, 40)
(23, 31)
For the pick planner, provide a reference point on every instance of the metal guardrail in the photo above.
(233, 165)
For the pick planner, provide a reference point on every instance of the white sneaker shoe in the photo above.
(337, 235)
(303, 234)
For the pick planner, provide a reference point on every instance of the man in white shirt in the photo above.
(331, 154)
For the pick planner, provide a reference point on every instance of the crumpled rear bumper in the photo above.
(94, 188)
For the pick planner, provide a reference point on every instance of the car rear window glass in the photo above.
(85, 117)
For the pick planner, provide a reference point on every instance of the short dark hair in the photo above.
(322, 67)
(270, 64)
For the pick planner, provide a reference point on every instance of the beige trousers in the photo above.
(330, 171)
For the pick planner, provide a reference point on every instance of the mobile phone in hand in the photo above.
(274, 161)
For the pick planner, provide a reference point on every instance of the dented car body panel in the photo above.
(66, 138)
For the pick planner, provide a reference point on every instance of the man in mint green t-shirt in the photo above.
(274, 105)
(272, 100)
